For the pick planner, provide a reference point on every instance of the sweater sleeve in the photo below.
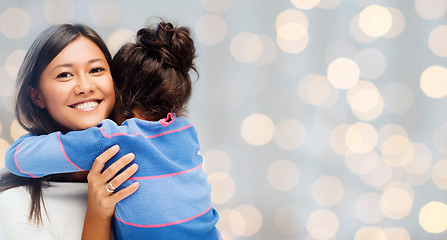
(36, 156)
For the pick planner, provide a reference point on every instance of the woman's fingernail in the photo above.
(115, 147)
(134, 166)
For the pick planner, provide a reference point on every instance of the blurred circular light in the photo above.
(367, 208)
(53, 14)
(17, 130)
(398, 23)
(4, 145)
(375, 20)
(397, 233)
(328, 4)
(15, 23)
(398, 98)
(13, 63)
(223, 187)
(291, 16)
(305, 4)
(430, 9)
(440, 138)
(396, 203)
(257, 129)
(286, 219)
(327, 191)
(252, 219)
(105, 13)
(343, 73)
(292, 46)
(371, 63)
(336, 139)
(283, 175)
(118, 38)
(361, 164)
(433, 217)
(216, 6)
(211, 29)
(361, 137)
(323, 224)
(289, 134)
(365, 100)
(379, 176)
(438, 175)
(420, 161)
(316, 90)
(357, 32)
(246, 47)
(370, 233)
(216, 161)
(437, 39)
(268, 53)
(433, 82)
(292, 31)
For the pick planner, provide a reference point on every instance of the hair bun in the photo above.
(171, 45)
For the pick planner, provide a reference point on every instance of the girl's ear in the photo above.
(34, 94)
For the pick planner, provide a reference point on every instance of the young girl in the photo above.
(55, 207)
(153, 85)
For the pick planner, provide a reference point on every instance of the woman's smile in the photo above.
(86, 106)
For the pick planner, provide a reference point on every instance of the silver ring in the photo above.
(110, 188)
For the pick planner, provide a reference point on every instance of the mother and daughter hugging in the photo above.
(109, 153)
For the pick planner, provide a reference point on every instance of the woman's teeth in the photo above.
(85, 106)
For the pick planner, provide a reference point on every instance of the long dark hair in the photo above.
(152, 74)
(32, 118)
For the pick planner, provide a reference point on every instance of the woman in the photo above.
(68, 65)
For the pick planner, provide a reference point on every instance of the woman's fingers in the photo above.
(125, 192)
(120, 178)
(101, 160)
(113, 169)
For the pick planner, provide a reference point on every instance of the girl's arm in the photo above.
(37, 156)
(101, 204)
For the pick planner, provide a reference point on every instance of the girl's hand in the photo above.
(101, 202)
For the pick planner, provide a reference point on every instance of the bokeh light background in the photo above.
(318, 119)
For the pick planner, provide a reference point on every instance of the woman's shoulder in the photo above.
(13, 197)
(63, 214)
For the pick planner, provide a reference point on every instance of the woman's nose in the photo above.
(84, 85)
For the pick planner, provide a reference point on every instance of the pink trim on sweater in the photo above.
(17, 164)
(164, 224)
(135, 134)
(65, 155)
(166, 175)
(167, 120)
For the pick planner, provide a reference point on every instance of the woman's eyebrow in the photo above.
(62, 65)
(70, 65)
(96, 60)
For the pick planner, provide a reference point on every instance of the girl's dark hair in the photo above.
(152, 74)
(32, 118)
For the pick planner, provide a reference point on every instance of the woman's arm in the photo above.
(101, 203)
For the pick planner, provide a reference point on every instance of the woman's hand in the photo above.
(101, 202)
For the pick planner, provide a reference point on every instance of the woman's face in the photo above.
(77, 87)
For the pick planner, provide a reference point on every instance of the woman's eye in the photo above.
(97, 70)
(64, 75)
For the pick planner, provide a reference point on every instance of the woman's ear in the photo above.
(34, 94)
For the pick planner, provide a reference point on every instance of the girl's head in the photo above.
(64, 82)
(152, 75)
